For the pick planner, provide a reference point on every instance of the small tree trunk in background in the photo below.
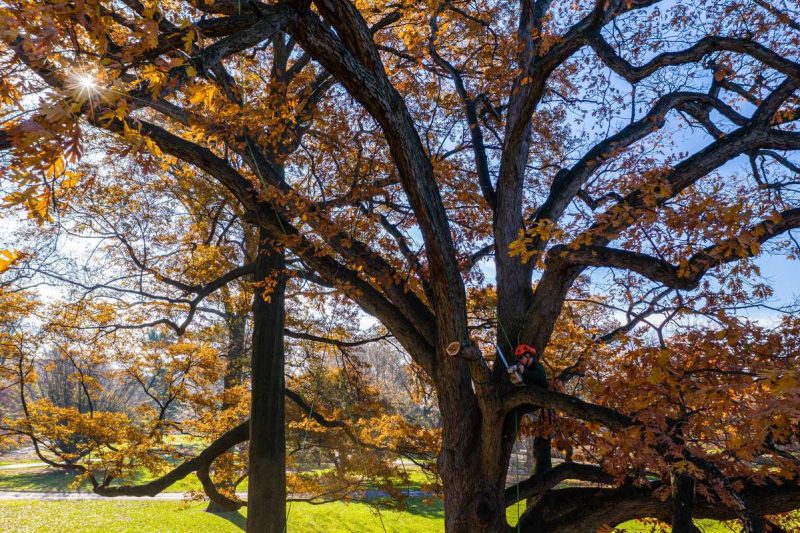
(530, 460)
(682, 504)
(542, 453)
(234, 373)
(214, 507)
(542, 459)
(266, 495)
(235, 353)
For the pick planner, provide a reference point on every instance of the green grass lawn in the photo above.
(41, 479)
(121, 516)
(125, 516)
(705, 526)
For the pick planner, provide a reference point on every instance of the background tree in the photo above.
(186, 282)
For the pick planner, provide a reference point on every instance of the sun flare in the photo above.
(84, 84)
(87, 82)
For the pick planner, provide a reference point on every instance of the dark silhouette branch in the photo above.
(538, 484)
(532, 396)
(688, 275)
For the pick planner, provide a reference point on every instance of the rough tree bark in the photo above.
(266, 495)
(473, 499)
(682, 504)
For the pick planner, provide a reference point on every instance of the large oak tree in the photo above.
(548, 140)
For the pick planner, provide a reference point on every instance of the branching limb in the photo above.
(687, 275)
(704, 47)
(218, 447)
(537, 485)
(587, 509)
(568, 182)
(351, 56)
(532, 396)
(470, 113)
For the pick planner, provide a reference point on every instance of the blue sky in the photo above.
(784, 274)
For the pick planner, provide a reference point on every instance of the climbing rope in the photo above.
(516, 428)
(516, 477)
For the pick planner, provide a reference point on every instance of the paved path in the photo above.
(14, 466)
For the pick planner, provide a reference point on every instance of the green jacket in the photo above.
(535, 375)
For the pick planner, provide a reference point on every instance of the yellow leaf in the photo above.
(7, 258)
(56, 169)
(188, 40)
(71, 180)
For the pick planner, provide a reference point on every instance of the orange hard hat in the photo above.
(523, 349)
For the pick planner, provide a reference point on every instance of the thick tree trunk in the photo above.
(474, 497)
(266, 496)
(682, 504)
(474, 501)
(475, 454)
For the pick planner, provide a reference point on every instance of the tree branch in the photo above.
(351, 56)
(532, 396)
(470, 113)
(538, 484)
(218, 447)
(587, 509)
(333, 342)
(698, 51)
(687, 275)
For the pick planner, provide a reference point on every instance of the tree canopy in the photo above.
(594, 179)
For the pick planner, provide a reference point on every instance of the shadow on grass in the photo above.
(45, 480)
(234, 517)
(429, 508)
(425, 507)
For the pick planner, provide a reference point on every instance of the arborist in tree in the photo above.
(532, 371)
(530, 366)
